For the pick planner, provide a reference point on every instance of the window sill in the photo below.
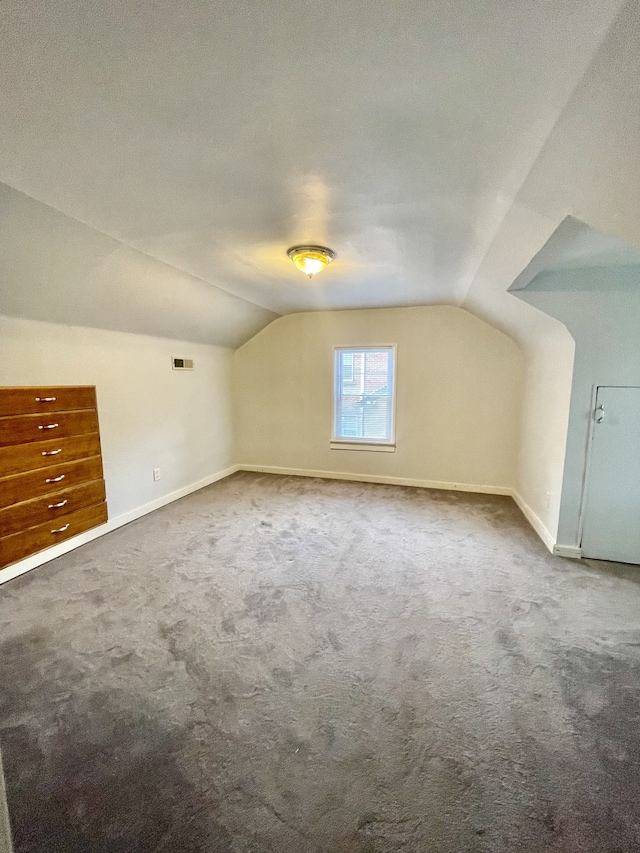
(362, 445)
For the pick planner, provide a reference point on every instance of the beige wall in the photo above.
(543, 438)
(458, 395)
(609, 302)
(150, 415)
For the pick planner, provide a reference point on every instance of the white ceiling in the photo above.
(213, 135)
(56, 269)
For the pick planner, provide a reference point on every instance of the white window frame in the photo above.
(372, 444)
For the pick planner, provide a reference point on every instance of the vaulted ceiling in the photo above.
(204, 138)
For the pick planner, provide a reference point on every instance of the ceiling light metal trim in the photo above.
(311, 259)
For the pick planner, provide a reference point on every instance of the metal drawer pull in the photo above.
(54, 479)
(46, 399)
(60, 529)
(52, 452)
(48, 426)
(57, 506)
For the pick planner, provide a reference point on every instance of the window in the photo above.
(364, 389)
(347, 366)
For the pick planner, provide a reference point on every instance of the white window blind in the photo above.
(364, 395)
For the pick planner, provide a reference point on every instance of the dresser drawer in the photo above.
(49, 481)
(22, 401)
(21, 545)
(18, 458)
(27, 514)
(19, 429)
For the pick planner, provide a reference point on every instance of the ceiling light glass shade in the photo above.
(311, 259)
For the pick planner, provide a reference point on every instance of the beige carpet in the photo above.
(281, 664)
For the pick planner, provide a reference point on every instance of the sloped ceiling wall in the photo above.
(212, 138)
(441, 148)
(56, 269)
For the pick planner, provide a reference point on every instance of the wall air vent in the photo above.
(181, 363)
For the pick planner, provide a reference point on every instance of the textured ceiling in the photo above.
(213, 135)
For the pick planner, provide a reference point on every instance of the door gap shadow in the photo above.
(625, 571)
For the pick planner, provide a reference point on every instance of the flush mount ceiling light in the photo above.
(311, 259)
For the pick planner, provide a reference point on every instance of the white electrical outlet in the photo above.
(156, 474)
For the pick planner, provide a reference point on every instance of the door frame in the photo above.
(586, 474)
(586, 477)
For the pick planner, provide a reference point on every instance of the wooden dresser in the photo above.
(51, 481)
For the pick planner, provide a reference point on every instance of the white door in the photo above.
(611, 529)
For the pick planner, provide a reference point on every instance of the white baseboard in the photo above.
(534, 521)
(482, 489)
(41, 557)
(375, 478)
(572, 551)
